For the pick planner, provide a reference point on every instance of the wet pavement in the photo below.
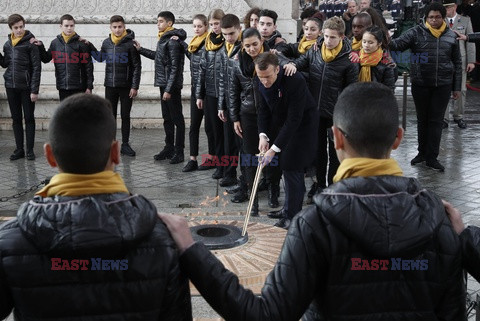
(197, 195)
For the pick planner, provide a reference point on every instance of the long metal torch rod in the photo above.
(253, 194)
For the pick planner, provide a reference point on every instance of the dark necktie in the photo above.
(451, 23)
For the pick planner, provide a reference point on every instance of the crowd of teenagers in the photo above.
(256, 92)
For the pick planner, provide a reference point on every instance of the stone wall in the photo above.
(92, 17)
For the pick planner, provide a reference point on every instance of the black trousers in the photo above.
(232, 145)
(63, 93)
(21, 106)
(196, 116)
(249, 147)
(430, 104)
(210, 109)
(113, 94)
(294, 192)
(326, 155)
(173, 119)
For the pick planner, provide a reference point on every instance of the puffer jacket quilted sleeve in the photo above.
(384, 74)
(437, 61)
(110, 228)
(210, 69)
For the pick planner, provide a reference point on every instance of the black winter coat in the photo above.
(327, 79)
(384, 74)
(439, 62)
(287, 115)
(228, 64)
(367, 218)
(470, 238)
(210, 69)
(123, 66)
(169, 60)
(73, 63)
(23, 64)
(195, 58)
(275, 42)
(107, 227)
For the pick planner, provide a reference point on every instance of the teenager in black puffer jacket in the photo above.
(85, 248)
(22, 80)
(436, 73)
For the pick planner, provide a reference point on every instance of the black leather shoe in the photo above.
(166, 153)
(254, 211)
(444, 124)
(177, 158)
(191, 166)
(240, 196)
(435, 164)
(206, 165)
(273, 193)
(17, 154)
(30, 155)
(461, 123)
(228, 181)
(417, 160)
(218, 173)
(233, 189)
(127, 150)
(283, 223)
(277, 214)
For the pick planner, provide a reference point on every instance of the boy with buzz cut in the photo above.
(72, 60)
(84, 247)
(123, 69)
(169, 60)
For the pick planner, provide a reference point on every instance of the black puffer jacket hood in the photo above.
(22, 63)
(384, 220)
(70, 224)
(169, 60)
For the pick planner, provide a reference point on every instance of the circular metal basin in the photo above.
(218, 236)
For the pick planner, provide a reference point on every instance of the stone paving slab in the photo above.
(191, 194)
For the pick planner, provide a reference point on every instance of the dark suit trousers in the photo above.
(250, 146)
(327, 156)
(113, 94)
(196, 116)
(18, 101)
(430, 104)
(63, 93)
(294, 192)
(233, 144)
(173, 117)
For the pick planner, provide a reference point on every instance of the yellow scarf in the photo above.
(196, 42)
(64, 184)
(366, 62)
(354, 167)
(209, 45)
(167, 29)
(436, 32)
(305, 44)
(67, 38)
(330, 54)
(116, 40)
(16, 40)
(356, 44)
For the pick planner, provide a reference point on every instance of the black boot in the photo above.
(273, 193)
(166, 153)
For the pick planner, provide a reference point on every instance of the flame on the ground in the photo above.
(209, 201)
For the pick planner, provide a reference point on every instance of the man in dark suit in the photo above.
(287, 124)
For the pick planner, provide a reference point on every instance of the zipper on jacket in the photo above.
(113, 63)
(66, 67)
(321, 86)
(215, 73)
(13, 63)
(436, 63)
